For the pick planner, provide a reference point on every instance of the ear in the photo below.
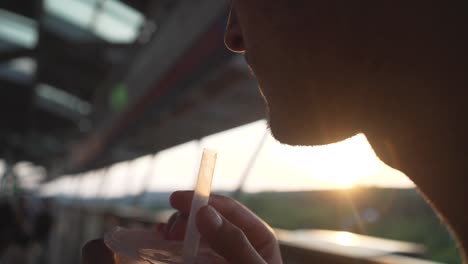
(233, 37)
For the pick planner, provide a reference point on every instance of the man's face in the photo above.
(304, 55)
(320, 64)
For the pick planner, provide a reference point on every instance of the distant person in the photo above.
(43, 222)
(8, 226)
(42, 227)
(329, 69)
(13, 238)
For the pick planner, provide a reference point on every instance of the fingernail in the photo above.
(175, 222)
(212, 217)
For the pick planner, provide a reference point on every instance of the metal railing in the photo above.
(74, 225)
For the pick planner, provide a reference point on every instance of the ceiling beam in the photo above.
(185, 42)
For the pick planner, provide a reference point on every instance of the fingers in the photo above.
(257, 231)
(225, 238)
(175, 227)
(96, 252)
(161, 228)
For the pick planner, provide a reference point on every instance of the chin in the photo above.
(292, 139)
(299, 121)
(292, 132)
(297, 129)
(306, 136)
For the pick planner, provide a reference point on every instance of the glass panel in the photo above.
(79, 13)
(17, 29)
(118, 22)
(62, 98)
(24, 65)
(122, 12)
(115, 22)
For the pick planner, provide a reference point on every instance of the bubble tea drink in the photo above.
(145, 247)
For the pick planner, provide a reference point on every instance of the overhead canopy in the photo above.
(87, 83)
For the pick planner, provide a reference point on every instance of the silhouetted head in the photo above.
(329, 69)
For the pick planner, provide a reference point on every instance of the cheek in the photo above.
(256, 17)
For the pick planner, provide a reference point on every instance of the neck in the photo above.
(432, 154)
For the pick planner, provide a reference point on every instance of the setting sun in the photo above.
(345, 163)
(340, 166)
(277, 167)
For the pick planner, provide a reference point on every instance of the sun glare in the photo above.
(346, 239)
(277, 167)
(347, 162)
(341, 165)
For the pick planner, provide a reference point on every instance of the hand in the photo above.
(96, 252)
(230, 229)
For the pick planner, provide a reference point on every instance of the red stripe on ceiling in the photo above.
(209, 43)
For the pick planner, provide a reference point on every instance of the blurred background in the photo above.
(106, 108)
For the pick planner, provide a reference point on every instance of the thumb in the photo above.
(225, 238)
(96, 251)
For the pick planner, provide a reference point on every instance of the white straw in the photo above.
(200, 199)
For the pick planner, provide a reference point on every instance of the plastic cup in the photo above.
(148, 247)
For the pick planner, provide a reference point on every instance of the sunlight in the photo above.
(347, 162)
(346, 239)
(278, 167)
(341, 165)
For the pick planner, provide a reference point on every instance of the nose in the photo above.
(233, 37)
